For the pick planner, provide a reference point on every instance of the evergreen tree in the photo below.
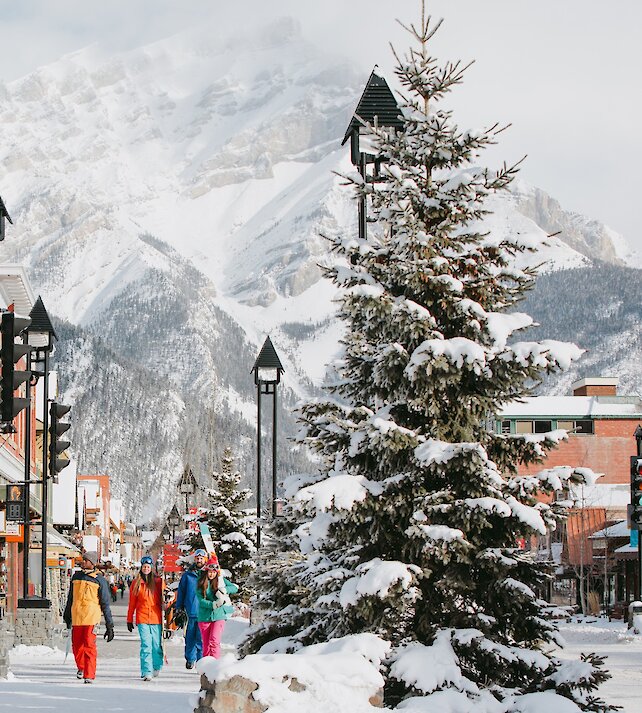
(231, 534)
(410, 529)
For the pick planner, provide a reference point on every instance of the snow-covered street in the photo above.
(624, 652)
(43, 682)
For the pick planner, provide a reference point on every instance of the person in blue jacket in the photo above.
(187, 608)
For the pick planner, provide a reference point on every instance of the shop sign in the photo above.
(9, 529)
(193, 524)
(170, 554)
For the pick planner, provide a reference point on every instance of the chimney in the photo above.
(596, 386)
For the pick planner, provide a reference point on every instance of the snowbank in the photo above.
(340, 675)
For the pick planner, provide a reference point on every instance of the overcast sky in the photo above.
(565, 73)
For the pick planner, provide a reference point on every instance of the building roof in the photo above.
(377, 101)
(268, 358)
(617, 529)
(40, 321)
(3, 211)
(15, 289)
(574, 407)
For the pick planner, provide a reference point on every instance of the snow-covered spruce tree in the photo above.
(228, 524)
(410, 530)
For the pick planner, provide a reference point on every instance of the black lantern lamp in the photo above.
(267, 371)
(174, 520)
(377, 107)
(40, 335)
(187, 486)
(166, 534)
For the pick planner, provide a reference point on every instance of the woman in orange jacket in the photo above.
(146, 602)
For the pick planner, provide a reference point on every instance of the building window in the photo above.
(543, 426)
(582, 427)
(505, 427)
(523, 427)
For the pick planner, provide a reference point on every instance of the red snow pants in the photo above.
(83, 641)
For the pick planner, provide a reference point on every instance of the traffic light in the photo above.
(10, 352)
(56, 446)
(635, 509)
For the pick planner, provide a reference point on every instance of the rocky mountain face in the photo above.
(169, 204)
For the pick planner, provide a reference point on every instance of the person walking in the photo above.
(214, 606)
(88, 596)
(187, 609)
(146, 603)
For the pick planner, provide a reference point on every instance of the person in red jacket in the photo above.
(146, 602)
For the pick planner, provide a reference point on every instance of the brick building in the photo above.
(16, 290)
(601, 425)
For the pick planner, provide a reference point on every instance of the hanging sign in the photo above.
(193, 524)
(170, 554)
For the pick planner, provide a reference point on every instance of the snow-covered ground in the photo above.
(43, 682)
(624, 652)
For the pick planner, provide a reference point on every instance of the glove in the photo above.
(130, 626)
(109, 634)
(180, 618)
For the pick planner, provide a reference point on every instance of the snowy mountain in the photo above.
(168, 204)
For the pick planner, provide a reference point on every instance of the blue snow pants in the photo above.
(193, 643)
(151, 649)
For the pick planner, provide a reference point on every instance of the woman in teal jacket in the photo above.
(214, 606)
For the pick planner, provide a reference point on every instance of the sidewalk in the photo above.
(43, 682)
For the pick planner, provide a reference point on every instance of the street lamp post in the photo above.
(40, 336)
(377, 107)
(187, 486)
(267, 372)
(174, 520)
(166, 534)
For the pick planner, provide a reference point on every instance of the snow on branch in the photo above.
(428, 668)
(435, 451)
(547, 354)
(375, 578)
(339, 491)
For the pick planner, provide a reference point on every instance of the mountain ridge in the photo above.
(174, 197)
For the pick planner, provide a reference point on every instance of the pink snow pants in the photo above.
(211, 633)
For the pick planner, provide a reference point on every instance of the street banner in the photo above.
(170, 554)
(193, 524)
(207, 537)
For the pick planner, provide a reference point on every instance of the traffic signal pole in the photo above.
(45, 476)
(26, 531)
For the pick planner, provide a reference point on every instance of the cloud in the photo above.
(564, 74)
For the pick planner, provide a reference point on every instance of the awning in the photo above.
(56, 543)
(626, 552)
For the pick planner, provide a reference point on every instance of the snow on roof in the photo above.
(91, 494)
(578, 406)
(618, 529)
(63, 498)
(625, 549)
(116, 511)
(54, 539)
(607, 495)
(90, 543)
